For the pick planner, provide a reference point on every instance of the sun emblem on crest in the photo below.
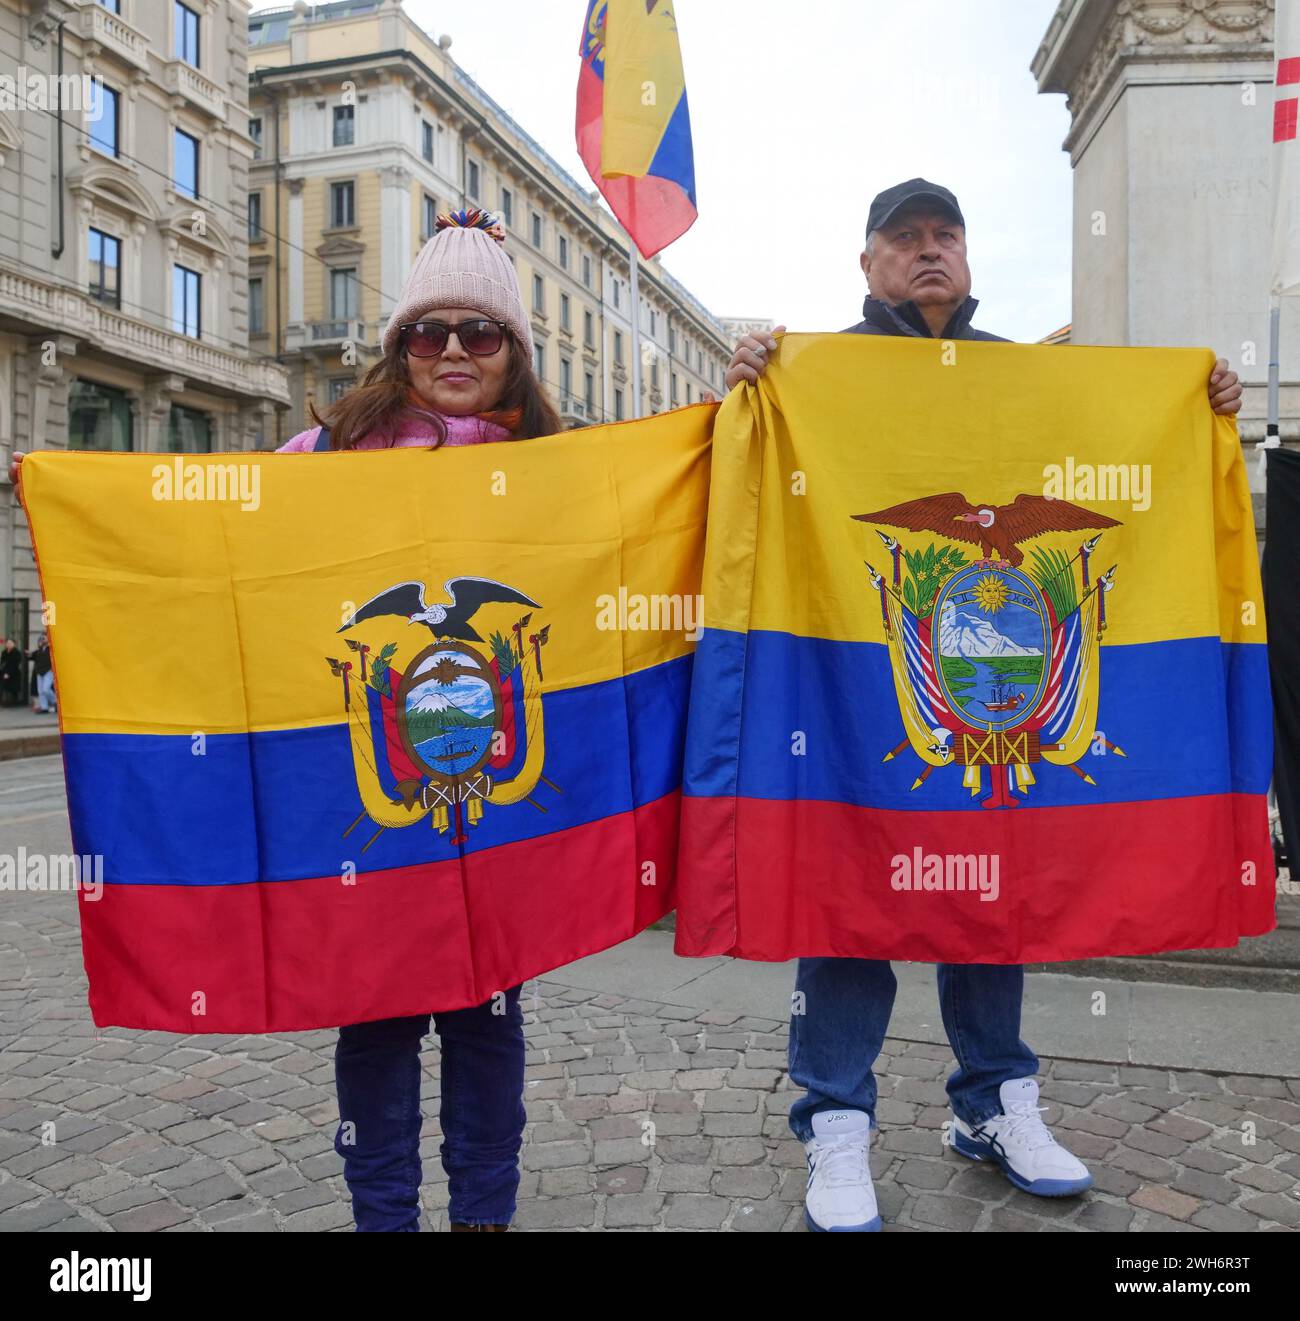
(990, 593)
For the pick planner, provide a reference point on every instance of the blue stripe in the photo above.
(1193, 716)
(674, 159)
(273, 806)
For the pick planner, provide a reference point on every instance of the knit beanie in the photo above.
(464, 264)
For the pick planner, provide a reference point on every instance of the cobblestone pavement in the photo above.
(160, 1132)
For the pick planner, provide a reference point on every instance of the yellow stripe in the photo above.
(849, 424)
(643, 84)
(184, 615)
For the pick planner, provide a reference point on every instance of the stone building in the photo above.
(366, 128)
(1171, 106)
(123, 241)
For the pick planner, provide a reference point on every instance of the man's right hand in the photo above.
(15, 476)
(750, 358)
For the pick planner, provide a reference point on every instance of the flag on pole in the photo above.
(1286, 151)
(633, 122)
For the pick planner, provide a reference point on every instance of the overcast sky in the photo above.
(801, 113)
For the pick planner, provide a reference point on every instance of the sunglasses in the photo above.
(427, 339)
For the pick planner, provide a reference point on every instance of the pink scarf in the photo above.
(414, 429)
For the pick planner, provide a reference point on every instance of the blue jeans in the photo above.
(846, 1008)
(377, 1069)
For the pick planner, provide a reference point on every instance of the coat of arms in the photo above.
(996, 661)
(453, 723)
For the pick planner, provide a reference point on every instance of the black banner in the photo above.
(1282, 603)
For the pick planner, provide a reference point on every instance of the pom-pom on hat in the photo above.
(464, 264)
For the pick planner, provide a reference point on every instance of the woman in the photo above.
(457, 370)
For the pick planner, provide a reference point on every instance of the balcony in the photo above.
(55, 308)
(185, 81)
(574, 411)
(322, 333)
(110, 32)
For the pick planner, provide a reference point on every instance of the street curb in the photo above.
(29, 745)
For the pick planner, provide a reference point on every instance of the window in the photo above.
(672, 392)
(345, 125)
(186, 176)
(507, 206)
(672, 338)
(255, 132)
(586, 270)
(699, 361)
(338, 387)
(104, 119)
(188, 431)
(113, 6)
(256, 306)
(187, 34)
(564, 312)
(105, 268)
(99, 417)
(343, 294)
(426, 140)
(589, 392)
(618, 347)
(254, 216)
(618, 405)
(537, 230)
(588, 329)
(539, 294)
(566, 377)
(654, 374)
(429, 219)
(343, 207)
(688, 392)
(471, 179)
(564, 252)
(654, 322)
(539, 361)
(615, 293)
(187, 288)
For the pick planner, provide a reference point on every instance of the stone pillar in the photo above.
(295, 329)
(395, 236)
(155, 410)
(1171, 109)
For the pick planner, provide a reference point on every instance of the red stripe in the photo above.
(291, 955)
(1075, 882)
(1288, 71)
(1284, 120)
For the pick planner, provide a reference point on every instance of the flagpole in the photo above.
(1273, 437)
(634, 261)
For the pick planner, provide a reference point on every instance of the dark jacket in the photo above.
(40, 659)
(905, 319)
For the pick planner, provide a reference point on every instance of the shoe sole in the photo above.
(977, 1151)
(871, 1227)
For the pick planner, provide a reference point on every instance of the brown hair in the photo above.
(384, 395)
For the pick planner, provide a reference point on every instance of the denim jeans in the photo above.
(377, 1069)
(846, 1007)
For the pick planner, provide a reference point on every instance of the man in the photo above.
(919, 284)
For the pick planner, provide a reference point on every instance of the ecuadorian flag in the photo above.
(633, 122)
(983, 677)
(366, 734)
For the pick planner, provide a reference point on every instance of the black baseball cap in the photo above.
(903, 194)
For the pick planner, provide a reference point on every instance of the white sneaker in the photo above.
(1023, 1145)
(841, 1198)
